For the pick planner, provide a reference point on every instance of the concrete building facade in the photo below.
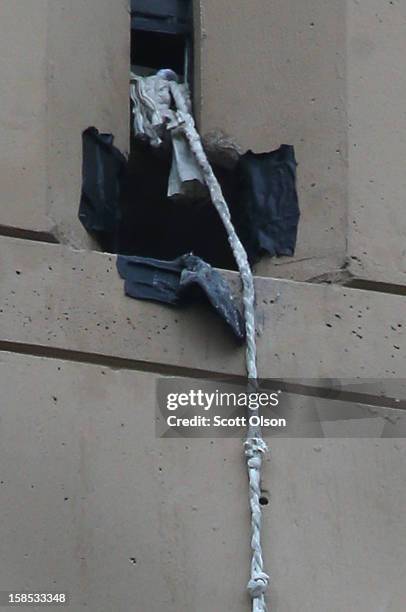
(93, 503)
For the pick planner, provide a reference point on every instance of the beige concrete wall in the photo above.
(95, 504)
(57, 298)
(89, 64)
(64, 66)
(86, 487)
(273, 72)
(326, 77)
(376, 139)
(23, 110)
(319, 76)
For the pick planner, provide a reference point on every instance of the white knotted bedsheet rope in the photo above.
(254, 445)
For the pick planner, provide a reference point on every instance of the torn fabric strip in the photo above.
(103, 174)
(267, 212)
(152, 113)
(180, 281)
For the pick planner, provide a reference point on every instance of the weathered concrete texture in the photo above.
(308, 269)
(55, 297)
(323, 330)
(88, 76)
(23, 151)
(75, 300)
(377, 145)
(273, 73)
(93, 503)
(64, 65)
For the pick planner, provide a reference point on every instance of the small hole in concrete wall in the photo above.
(264, 501)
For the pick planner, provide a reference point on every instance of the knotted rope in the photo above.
(255, 447)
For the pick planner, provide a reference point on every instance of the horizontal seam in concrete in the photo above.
(377, 286)
(24, 234)
(115, 363)
(338, 394)
(121, 363)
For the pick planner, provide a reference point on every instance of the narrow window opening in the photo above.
(161, 37)
(153, 224)
(155, 203)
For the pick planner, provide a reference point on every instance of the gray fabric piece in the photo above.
(185, 178)
(152, 112)
(178, 282)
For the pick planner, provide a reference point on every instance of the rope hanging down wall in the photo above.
(165, 104)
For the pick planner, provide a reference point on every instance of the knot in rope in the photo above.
(258, 585)
(254, 449)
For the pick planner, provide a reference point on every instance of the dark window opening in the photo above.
(125, 206)
(125, 203)
(161, 36)
(153, 225)
(151, 51)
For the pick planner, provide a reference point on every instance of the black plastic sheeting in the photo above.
(178, 282)
(125, 205)
(103, 176)
(267, 212)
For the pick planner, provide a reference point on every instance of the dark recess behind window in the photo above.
(165, 16)
(161, 34)
(124, 204)
(156, 50)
